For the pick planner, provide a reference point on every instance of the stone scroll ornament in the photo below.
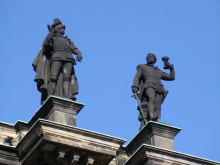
(54, 63)
(148, 89)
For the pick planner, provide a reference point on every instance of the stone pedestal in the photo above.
(156, 134)
(154, 145)
(58, 109)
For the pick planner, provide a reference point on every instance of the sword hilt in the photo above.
(135, 94)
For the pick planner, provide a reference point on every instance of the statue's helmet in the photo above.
(151, 58)
(56, 22)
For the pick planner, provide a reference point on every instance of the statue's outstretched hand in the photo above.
(170, 66)
(167, 65)
(79, 57)
(134, 89)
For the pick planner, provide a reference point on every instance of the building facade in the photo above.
(51, 137)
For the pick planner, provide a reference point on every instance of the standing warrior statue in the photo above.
(148, 88)
(53, 65)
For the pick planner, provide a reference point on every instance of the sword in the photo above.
(135, 95)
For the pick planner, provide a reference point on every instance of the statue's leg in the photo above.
(54, 74)
(67, 70)
(144, 108)
(151, 94)
(158, 101)
(142, 124)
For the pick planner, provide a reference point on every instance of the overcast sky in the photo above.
(114, 37)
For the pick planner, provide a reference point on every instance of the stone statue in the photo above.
(148, 88)
(53, 65)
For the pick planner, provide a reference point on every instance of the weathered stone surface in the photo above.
(21, 130)
(8, 155)
(156, 134)
(122, 156)
(50, 141)
(51, 137)
(151, 155)
(7, 132)
(58, 109)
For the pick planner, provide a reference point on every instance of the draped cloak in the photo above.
(41, 66)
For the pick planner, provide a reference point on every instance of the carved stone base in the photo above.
(58, 109)
(52, 143)
(156, 134)
(151, 155)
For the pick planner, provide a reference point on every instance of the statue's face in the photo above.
(60, 30)
(151, 59)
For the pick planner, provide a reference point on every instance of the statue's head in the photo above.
(56, 22)
(151, 58)
(60, 28)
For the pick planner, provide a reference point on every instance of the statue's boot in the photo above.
(51, 88)
(73, 98)
(151, 116)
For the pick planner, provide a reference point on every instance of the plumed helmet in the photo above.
(56, 22)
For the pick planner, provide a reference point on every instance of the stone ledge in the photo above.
(8, 155)
(60, 135)
(155, 154)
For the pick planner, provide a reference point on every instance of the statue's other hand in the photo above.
(170, 66)
(134, 89)
(79, 57)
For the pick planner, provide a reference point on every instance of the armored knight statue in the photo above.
(53, 65)
(148, 88)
